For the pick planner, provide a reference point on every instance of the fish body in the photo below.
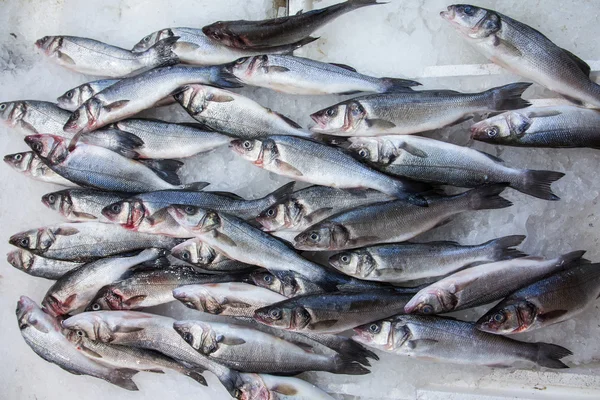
(29, 164)
(80, 205)
(32, 117)
(40, 266)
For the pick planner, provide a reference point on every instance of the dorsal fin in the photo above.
(349, 68)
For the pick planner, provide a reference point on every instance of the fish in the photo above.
(435, 161)
(309, 161)
(554, 299)
(72, 99)
(486, 283)
(405, 262)
(147, 211)
(76, 288)
(395, 221)
(132, 95)
(44, 335)
(194, 47)
(147, 331)
(290, 287)
(86, 241)
(457, 342)
(131, 357)
(405, 113)
(313, 204)
(274, 387)
(33, 117)
(80, 204)
(197, 253)
(298, 75)
(149, 287)
(29, 164)
(267, 33)
(525, 51)
(94, 166)
(250, 350)
(92, 57)
(40, 266)
(234, 114)
(332, 312)
(555, 127)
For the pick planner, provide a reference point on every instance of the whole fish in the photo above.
(39, 266)
(72, 99)
(31, 117)
(44, 335)
(267, 33)
(234, 114)
(238, 240)
(81, 204)
(135, 94)
(554, 299)
(485, 283)
(75, 289)
(297, 75)
(29, 164)
(404, 113)
(274, 387)
(561, 126)
(194, 47)
(308, 161)
(395, 221)
(150, 287)
(131, 357)
(288, 287)
(313, 204)
(197, 253)
(525, 51)
(332, 312)
(91, 57)
(250, 350)
(404, 262)
(457, 342)
(430, 160)
(86, 241)
(147, 331)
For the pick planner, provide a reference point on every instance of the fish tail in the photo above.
(573, 258)
(549, 355)
(487, 197)
(220, 77)
(405, 189)
(348, 366)
(503, 248)
(195, 374)
(538, 184)
(508, 97)
(116, 140)
(397, 85)
(164, 51)
(122, 378)
(355, 351)
(166, 169)
(282, 193)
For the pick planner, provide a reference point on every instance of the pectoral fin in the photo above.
(318, 214)
(90, 352)
(378, 123)
(412, 344)
(127, 329)
(277, 68)
(186, 46)
(287, 168)
(413, 150)
(507, 46)
(236, 303)
(83, 215)
(116, 105)
(552, 315)
(66, 231)
(132, 301)
(286, 390)
(220, 98)
(232, 341)
(328, 323)
(364, 240)
(65, 58)
(225, 239)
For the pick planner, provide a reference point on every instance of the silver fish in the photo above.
(525, 51)
(44, 335)
(394, 221)
(39, 266)
(483, 284)
(273, 387)
(561, 126)
(404, 262)
(430, 160)
(457, 342)
(308, 161)
(234, 114)
(132, 95)
(289, 287)
(297, 75)
(91, 57)
(74, 98)
(404, 113)
(86, 241)
(197, 253)
(29, 164)
(555, 299)
(81, 204)
(31, 117)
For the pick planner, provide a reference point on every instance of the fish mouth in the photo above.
(236, 146)
(449, 14)
(361, 335)
(13, 259)
(16, 239)
(320, 124)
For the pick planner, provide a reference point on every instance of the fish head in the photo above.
(431, 300)
(267, 280)
(198, 297)
(57, 307)
(152, 39)
(508, 317)
(194, 98)
(107, 298)
(194, 219)
(128, 213)
(86, 117)
(75, 97)
(331, 119)
(92, 325)
(273, 218)
(254, 388)
(27, 240)
(30, 315)
(357, 263)
(194, 252)
(13, 112)
(378, 334)
(20, 161)
(471, 21)
(249, 149)
(60, 201)
(366, 149)
(49, 44)
(51, 148)
(291, 317)
(197, 334)
(21, 259)
(323, 236)
(218, 31)
(503, 128)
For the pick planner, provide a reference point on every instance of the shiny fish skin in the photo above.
(91, 57)
(39, 266)
(294, 287)
(234, 114)
(404, 262)
(483, 284)
(555, 299)
(298, 75)
(405, 113)
(29, 164)
(32, 117)
(309, 161)
(556, 127)
(72, 99)
(435, 161)
(197, 253)
(394, 221)
(80, 205)
(525, 51)
(44, 335)
(86, 241)
(457, 342)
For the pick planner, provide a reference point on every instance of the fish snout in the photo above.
(449, 14)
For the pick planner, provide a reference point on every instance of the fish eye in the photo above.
(314, 236)
(275, 313)
(499, 317)
(270, 212)
(374, 328)
(188, 337)
(190, 210)
(330, 112)
(268, 279)
(80, 333)
(247, 144)
(364, 153)
(469, 10)
(492, 131)
(146, 39)
(18, 157)
(185, 255)
(69, 94)
(116, 208)
(427, 309)
(51, 198)
(2, 107)
(96, 307)
(24, 242)
(345, 259)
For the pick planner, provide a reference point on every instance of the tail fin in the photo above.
(282, 193)
(508, 97)
(164, 50)
(166, 169)
(224, 79)
(502, 248)
(408, 190)
(116, 140)
(195, 374)
(549, 355)
(487, 197)
(347, 365)
(573, 258)
(122, 378)
(537, 184)
(397, 85)
(357, 352)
